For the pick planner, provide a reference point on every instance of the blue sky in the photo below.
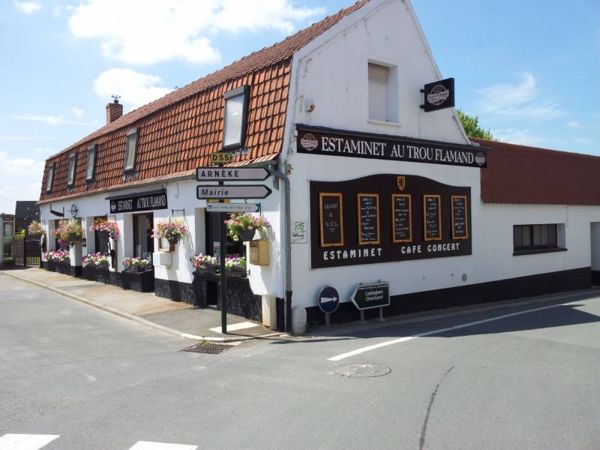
(529, 70)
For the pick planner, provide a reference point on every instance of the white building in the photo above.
(367, 185)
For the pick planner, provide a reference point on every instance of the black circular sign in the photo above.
(329, 299)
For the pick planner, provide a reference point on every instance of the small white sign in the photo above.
(233, 207)
(299, 231)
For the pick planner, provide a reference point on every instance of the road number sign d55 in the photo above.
(221, 158)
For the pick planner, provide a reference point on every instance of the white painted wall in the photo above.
(332, 73)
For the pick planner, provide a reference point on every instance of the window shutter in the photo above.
(378, 92)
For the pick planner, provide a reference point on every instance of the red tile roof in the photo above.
(179, 131)
(528, 175)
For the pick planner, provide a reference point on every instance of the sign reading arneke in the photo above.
(139, 202)
(326, 141)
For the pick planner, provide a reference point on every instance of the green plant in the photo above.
(239, 223)
(69, 231)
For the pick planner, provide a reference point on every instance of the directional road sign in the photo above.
(371, 295)
(231, 173)
(233, 207)
(238, 191)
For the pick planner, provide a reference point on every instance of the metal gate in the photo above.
(27, 251)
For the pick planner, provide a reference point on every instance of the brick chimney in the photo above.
(114, 110)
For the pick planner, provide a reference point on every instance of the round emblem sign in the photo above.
(309, 142)
(329, 299)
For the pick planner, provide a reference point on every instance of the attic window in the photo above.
(72, 170)
(383, 93)
(50, 178)
(236, 111)
(130, 150)
(90, 171)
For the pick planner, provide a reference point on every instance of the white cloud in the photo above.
(50, 120)
(573, 124)
(77, 112)
(27, 7)
(136, 89)
(153, 31)
(516, 136)
(518, 100)
(21, 180)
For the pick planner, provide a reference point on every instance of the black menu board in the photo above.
(459, 217)
(331, 219)
(401, 218)
(368, 219)
(432, 217)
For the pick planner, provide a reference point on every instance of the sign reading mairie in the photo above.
(138, 202)
(327, 141)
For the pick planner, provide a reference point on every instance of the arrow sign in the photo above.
(371, 295)
(233, 207)
(231, 173)
(239, 191)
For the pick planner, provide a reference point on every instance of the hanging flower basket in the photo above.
(106, 228)
(69, 231)
(242, 227)
(172, 231)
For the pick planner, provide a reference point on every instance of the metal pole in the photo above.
(222, 290)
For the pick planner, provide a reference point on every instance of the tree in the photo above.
(472, 128)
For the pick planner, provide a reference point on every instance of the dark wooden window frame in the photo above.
(241, 91)
(528, 233)
(132, 135)
(50, 179)
(92, 155)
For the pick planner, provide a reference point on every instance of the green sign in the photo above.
(375, 295)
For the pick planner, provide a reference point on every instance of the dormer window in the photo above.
(131, 150)
(90, 170)
(50, 178)
(236, 109)
(72, 170)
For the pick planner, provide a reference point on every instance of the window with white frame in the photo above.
(90, 170)
(235, 116)
(383, 93)
(72, 170)
(131, 150)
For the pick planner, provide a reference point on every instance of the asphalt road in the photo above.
(524, 376)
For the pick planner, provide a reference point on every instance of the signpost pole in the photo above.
(222, 290)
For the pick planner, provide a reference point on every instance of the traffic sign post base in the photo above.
(362, 316)
(381, 319)
(327, 320)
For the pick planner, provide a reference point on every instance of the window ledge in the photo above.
(383, 122)
(534, 251)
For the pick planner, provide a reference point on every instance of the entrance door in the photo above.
(143, 243)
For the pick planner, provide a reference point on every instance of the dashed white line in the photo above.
(369, 348)
(147, 445)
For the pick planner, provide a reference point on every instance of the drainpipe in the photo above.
(280, 174)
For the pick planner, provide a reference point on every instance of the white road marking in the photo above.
(235, 327)
(146, 445)
(369, 348)
(26, 441)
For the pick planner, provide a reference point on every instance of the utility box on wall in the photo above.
(259, 252)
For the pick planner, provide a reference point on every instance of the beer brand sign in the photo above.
(325, 141)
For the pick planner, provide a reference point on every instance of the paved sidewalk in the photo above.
(172, 317)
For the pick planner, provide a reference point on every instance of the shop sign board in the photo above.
(371, 295)
(331, 142)
(438, 95)
(231, 173)
(141, 202)
(233, 207)
(232, 192)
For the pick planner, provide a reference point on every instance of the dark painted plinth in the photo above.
(596, 277)
(568, 280)
(174, 290)
(101, 275)
(138, 281)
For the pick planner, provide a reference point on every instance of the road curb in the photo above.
(135, 318)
